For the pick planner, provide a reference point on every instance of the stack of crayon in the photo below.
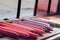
(52, 21)
(25, 28)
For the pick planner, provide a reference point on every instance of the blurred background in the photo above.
(8, 8)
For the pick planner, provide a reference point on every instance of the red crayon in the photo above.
(38, 30)
(28, 28)
(19, 31)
